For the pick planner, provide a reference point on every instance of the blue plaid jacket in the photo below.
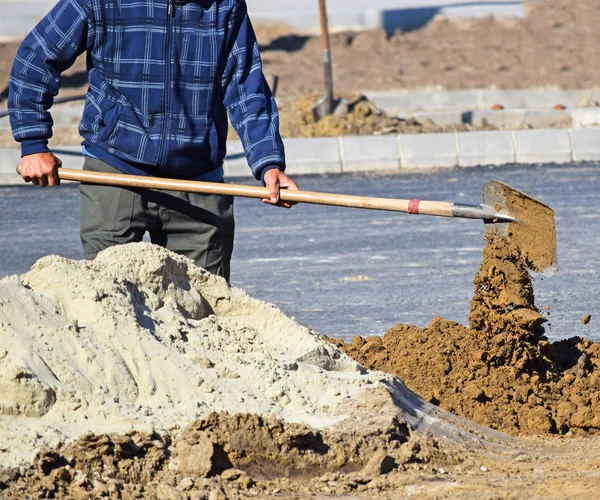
(163, 76)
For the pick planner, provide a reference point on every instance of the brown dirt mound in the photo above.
(364, 118)
(501, 372)
(554, 45)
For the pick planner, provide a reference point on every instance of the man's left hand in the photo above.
(275, 180)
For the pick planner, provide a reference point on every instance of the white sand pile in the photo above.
(142, 339)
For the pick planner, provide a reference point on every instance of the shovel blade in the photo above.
(326, 107)
(534, 233)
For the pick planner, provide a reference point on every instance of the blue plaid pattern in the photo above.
(163, 77)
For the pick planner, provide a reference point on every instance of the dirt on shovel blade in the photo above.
(534, 236)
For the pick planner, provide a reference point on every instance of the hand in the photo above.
(275, 180)
(40, 169)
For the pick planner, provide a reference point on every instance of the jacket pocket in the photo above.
(110, 118)
(127, 137)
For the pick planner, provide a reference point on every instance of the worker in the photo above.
(163, 78)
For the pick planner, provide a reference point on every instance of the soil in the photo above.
(245, 456)
(501, 371)
(534, 238)
(363, 118)
(555, 45)
(242, 449)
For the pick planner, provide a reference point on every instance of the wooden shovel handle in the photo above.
(438, 208)
(326, 55)
(326, 45)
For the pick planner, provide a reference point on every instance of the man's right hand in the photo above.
(40, 169)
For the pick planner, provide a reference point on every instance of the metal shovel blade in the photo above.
(534, 233)
(327, 106)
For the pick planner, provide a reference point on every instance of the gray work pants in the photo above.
(198, 226)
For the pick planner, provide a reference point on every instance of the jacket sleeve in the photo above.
(51, 48)
(248, 98)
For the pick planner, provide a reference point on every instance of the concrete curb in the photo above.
(504, 109)
(511, 118)
(398, 102)
(334, 155)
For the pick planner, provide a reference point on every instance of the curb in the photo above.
(511, 118)
(398, 102)
(336, 155)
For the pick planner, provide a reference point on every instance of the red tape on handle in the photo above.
(413, 207)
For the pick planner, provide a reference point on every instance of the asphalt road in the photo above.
(347, 271)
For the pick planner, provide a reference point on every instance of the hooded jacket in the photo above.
(163, 77)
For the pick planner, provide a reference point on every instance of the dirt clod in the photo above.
(381, 463)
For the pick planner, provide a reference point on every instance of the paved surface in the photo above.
(20, 16)
(309, 260)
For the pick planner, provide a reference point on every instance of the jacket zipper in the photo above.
(165, 135)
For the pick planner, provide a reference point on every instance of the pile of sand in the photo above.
(501, 372)
(141, 337)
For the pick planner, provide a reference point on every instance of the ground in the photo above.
(556, 45)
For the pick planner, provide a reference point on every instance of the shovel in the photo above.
(527, 223)
(328, 105)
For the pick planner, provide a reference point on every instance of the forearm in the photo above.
(49, 49)
(248, 98)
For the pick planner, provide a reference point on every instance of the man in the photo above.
(163, 77)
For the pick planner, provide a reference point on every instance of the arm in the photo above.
(251, 106)
(51, 48)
